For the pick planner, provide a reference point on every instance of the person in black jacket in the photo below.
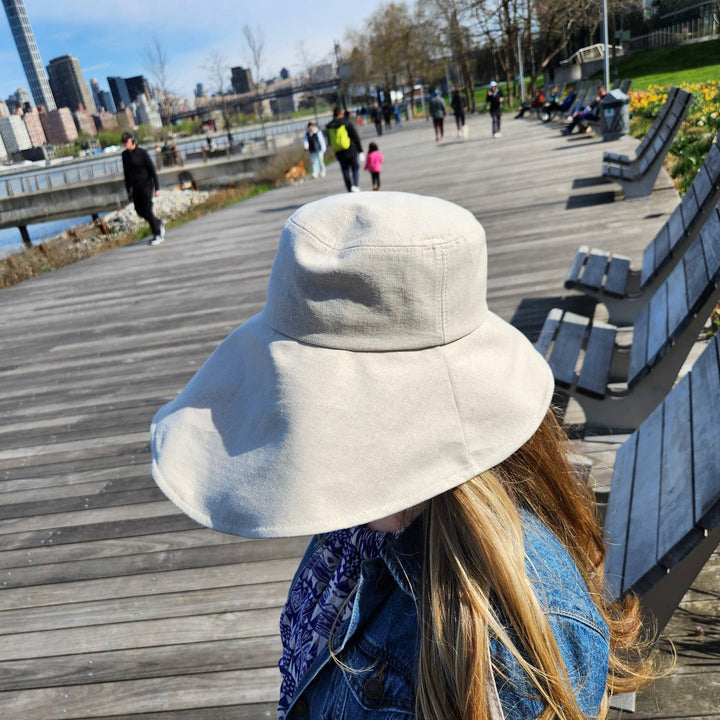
(141, 182)
(348, 158)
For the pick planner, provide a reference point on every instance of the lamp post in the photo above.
(606, 53)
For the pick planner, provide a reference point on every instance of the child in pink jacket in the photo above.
(373, 163)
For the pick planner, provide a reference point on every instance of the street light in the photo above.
(607, 55)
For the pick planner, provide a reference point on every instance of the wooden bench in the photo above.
(621, 159)
(608, 276)
(662, 520)
(665, 492)
(637, 178)
(618, 377)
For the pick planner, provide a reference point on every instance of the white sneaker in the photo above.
(157, 240)
(354, 188)
(497, 135)
(323, 173)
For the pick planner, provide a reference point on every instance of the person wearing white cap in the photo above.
(378, 404)
(495, 101)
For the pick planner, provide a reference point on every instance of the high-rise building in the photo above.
(103, 99)
(67, 83)
(119, 91)
(14, 134)
(241, 80)
(137, 86)
(29, 53)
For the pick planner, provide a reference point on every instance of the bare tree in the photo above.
(307, 65)
(255, 41)
(156, 64)
(218, 69)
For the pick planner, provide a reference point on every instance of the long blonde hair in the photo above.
(474, 550)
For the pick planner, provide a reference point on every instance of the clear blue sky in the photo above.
(111, 38)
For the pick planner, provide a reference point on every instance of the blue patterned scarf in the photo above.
(319, 599)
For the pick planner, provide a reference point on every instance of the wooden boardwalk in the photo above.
(112, 603)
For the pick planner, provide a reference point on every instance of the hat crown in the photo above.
(378, 272)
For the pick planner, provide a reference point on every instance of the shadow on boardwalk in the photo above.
(113, 603)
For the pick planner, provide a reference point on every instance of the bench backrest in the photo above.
(665, 134)
(625, 85)
(672, 305)
(665, 492)
(703, 193)
(657, 122)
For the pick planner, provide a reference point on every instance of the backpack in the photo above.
(339, 138)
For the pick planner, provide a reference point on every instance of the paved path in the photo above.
(112, 603)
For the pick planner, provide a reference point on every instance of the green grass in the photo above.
(691, 63)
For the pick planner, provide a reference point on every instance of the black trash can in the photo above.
(614, 115)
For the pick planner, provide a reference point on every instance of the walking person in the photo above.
(457, 103)
(142, 184)
(377, 117)
(314, 143)
(346, 144)
(373, 163)
(437, 113)
(456, 568)
(495, 101)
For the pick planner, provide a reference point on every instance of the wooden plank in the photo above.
(144, 563)
(677, 301)
(657, 249)
(658, 324)
(712, 164)
(641, 561)
(139, 663)
(77, 702)
(696, 273)
(576, 265)
(145, 633)
(596, 363)
(595, 266)
(148, 607)
(568, 343)
(711, 247)
(547, 333)
(689, 208)
(617, 275)
(171, 581)
(638, 349)
(617, 515)
(705, 391)
(676, 234)
(677, 534)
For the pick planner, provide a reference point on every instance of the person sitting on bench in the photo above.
(582, 118)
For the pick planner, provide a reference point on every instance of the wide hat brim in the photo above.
(275, 437)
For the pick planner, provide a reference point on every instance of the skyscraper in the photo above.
(67, 83)
(29, 54)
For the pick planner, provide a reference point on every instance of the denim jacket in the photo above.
(380, 643)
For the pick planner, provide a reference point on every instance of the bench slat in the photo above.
(677, 301)
(689, 208)
(712, 165)
(595, 266)
(658, 248)
(702, 185)
(566, 350)
(641, 553)
(696, 274)
(677, 534)
(676, 231)
(577, 263)
(617, 275)
(548, 331)
(638, 350)
(657, 325)
(711, 246)
(596, 363)
(705, 391)
(618, 514)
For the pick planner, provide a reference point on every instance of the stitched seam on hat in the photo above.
(457, 411)
(362, 246)
(443, 296)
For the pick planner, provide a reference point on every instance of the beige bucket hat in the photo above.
(374, 378)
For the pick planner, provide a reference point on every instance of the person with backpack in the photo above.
(346, 144)
(314, 143)
(437, 113)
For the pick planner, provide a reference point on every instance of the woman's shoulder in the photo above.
(556, 578)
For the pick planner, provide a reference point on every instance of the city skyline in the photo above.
(109, 43)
